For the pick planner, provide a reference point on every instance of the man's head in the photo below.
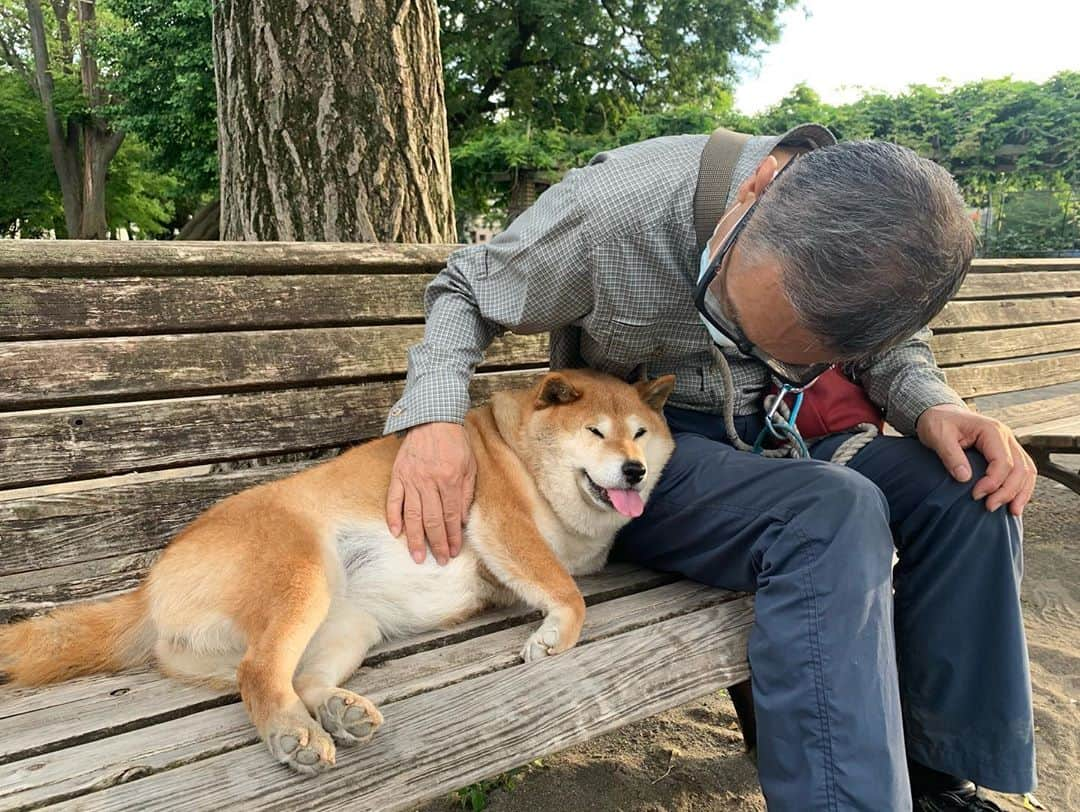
(852, 249)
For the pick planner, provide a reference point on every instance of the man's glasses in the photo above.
(712, 302)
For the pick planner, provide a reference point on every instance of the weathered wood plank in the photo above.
(28, 258)
(1039, 411)
(1062, 434)
(989, 345)
(1028, 283)
(513, 716)
(40, 373)
(21, 258)
(1006, 313)
(71, 308)
(80, 442)
(1005, 264)
(35, 721)
(992, 378)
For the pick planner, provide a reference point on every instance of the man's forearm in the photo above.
(906, 381)
(441, 366)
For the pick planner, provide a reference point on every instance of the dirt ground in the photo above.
(691, 759)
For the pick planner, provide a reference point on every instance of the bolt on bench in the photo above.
(127, 371)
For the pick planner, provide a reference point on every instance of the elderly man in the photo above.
(874, 688)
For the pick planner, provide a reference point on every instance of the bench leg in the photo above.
(742, 697)
(1058, 473)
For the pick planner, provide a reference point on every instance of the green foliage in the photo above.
(162, 66)
(138, 195)
(474, 797)
(30, 193)
(586, 66)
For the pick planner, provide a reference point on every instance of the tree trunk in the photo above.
(82, 150)
(331, 121)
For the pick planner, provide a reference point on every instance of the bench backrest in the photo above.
(128, 369)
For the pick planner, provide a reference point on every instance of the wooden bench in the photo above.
(128, 371)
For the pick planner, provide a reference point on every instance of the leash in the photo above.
(780, 423)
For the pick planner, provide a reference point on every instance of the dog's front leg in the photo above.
(522, 560)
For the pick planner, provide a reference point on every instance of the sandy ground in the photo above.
(691, 759)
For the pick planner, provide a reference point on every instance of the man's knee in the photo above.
(836, 514)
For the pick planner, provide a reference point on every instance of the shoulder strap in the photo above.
(714, 181)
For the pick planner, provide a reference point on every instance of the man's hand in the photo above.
(1010, 474)
(431, 489)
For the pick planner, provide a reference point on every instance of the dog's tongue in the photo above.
(627, 502)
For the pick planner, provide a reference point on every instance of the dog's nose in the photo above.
(634, 471)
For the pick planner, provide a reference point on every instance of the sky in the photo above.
(887, 45)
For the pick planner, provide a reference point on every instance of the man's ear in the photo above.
(555, 389)
(754, 185)
(656, 392)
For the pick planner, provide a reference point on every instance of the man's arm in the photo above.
(906, 381)
(534, 277)
(908, 384)
(531, 278)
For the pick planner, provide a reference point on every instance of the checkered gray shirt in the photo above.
(606, 261)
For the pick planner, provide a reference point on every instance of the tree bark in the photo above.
(331, 121)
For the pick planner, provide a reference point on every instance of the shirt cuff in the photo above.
(904, 416)
(437, 397)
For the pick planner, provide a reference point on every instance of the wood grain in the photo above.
(1006, 313)
(79, 442)
(31, 258)
(977, 380)
(73, 308)
(511, 717)
(28, 258)
(1028, 283)
(988, 345)
(1039, 411)
(41, 373)
(42, 720)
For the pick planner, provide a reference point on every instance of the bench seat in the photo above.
(142, 382)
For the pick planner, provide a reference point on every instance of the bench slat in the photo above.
(70, 258)
(71, 308)
(1030, 283)
(1039, 411)
(1006, 313)
(80, 442)
(989, 345)
(45, 720)
(40, 373)
(1007, 264)
(1059, 435)
(993, 378)
(513, 716)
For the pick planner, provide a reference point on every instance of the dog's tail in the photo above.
(72, 641)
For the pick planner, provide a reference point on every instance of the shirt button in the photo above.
(397, 411)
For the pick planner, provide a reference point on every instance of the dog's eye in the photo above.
(639, 433)
(596, 431)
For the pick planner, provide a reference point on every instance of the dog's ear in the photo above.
(656, 392)
(554, 390)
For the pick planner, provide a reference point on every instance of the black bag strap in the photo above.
(714, 181)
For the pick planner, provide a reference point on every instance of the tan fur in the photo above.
(282, 589)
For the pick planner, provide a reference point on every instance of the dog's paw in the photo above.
(302, 745)
(543, 643)
(348, 717)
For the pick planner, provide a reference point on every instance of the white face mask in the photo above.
(719, 339)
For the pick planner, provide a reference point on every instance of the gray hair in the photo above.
(872, 241)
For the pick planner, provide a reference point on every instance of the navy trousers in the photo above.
(855, 666)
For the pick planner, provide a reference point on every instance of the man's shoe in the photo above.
(965, 799)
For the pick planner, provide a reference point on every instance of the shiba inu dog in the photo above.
(283, 588)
